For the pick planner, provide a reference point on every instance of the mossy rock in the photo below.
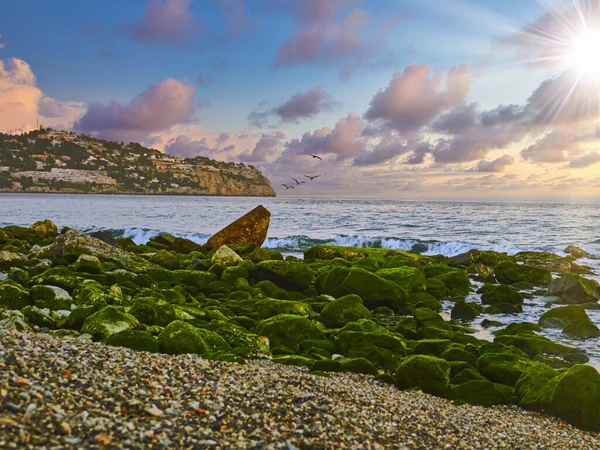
(358, 365)
(39, 317)
(288, 330)
(294, 360)
(344, 310)
(141, 341)
(18, 275)
(370, 264)
(225, 257)
(582, 329)
(233, 273)
(463, 310)
(425, 317)
(88, 264)
(90, 292)
(427, 373)
(482, 393)
(503, 367)
(562, 316)
(573, 396)
(425, 300)
(503, 308)
(458, 354)
(575, 289)
(152, 311)
(431, 346)
(410, 279)
(13, 320)
(536, 345)
(509, 273)
(185, 246)
(180, 337)
(466, 374)
(457, 281)
(78, 315)
(383, 350)
(290, 275)
(52, 297)
(327, 365)
(262, 254)
(13, 295)
(108, 321)
(166, 259)
(526, 328)
(352, 253)
(58, 276)
(437, 288)
(497, 294)
(243, 342)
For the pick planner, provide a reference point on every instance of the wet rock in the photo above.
(88, 263)
(134, 339)
(428, 373)
(165, 259)
(108, 321)
(105, 236)
(509, 273)
(573, 288)
(13, 295)
(463, 310)
(251, 228)
(482, 393)
(562, 316)
(44, 226)
(344, 310)
(289, 330)
(292, 275)
(492, 294)
(52, 297)
(410, 279)
(226, 257)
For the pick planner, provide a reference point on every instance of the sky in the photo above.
(436, 99)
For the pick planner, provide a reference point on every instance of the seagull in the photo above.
(298, 182)
(311, 178)
(315, 156)
(288, 187)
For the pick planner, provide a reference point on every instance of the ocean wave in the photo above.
(143, 235)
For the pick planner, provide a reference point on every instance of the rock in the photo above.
(108, 321)
(288, 330)
(294, 360)
(573, 395)
(503, 367)
(39, 317)
(166, 259)
(90, 292)
(72, 244)
(10, 259)
(482, 393)
(89, 264)
(428, 373)
(562, 316)
(463, 310)
(527, 328)
(494, 294)
(425, 317)
(251, 228)
(344, 310)
(136, 340)
(226, 257)
(436, 288)
(424, 300)
(410, 279)
(459, 354)
(44, 226)
(185, 246)
(180, 337)
(105, 236)
(573, 288)
(432, 346)
(509, 273)
(383, 349)
(577, 252)
(457, 281)
(164, 239)
(291, 275)
(52, 297)
(13, 320)
(358, 365)
(13, 295)
(243, 342)
(60, 276)
(152, 311)
(534, 345)
(546, 260)
(581, 329)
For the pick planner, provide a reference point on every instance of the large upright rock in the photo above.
(251, 228)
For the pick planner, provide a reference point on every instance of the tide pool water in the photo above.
(432, 227)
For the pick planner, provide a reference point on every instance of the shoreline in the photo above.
(155, 194)
(74, 393)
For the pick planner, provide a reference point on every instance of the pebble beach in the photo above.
(73, 393)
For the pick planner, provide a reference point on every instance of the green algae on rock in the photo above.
(427, 373)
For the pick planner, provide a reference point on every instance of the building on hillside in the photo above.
(69, 175)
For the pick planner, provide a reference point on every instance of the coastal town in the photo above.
(47, 160)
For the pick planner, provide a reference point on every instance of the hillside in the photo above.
(47, 160)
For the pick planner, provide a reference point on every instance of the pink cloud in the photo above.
(584, 161)
(551, 148)
(264, 148)
(497, 165)
(414, 98)
(164, 21)
(301, 105)
(158, 108)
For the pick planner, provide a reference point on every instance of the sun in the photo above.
(584, 56)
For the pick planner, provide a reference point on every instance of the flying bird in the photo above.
(288, 187)
(315, 156)
(298, 182)
(311, 178)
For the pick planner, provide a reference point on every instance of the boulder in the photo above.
(88, 264)
(482, 393)
(424, 300)
(39, 317)
(504, 367)
(13, 295)
(494, 294)
(166, 259)
(383, 349)
(410, 279)
(44, 226)
(72, 244)
(180, 337)
(573, 395)
(581, 329)
(108, 321)
(576, 252)
(427, 373)
(288, 330)
(105, 236)
(152, 311)
(344, 310)
(374, 290)
(573, 289)
(358, 365)
(425, 317)
(251, 228)
(13, 320)
(141, 341)
(432, 346)
(509, 273)
(562, 316)
(463, 310)
(51, 297)
(293, 275)
(436, 288)
(241, 340)
(226, 257)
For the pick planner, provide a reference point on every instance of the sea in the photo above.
(428, 226)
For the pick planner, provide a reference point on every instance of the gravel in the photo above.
(69, 393)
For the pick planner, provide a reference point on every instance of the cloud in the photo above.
(158, 108)
(414, 98)
(300, 106)
(497, 165)
(185, 147)
(458, 120)
(165, 21)
(264, 148)
(551, 148)
(344, 141)
(22, 103)
(586, 160)
(330, 32)
(387, 149)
